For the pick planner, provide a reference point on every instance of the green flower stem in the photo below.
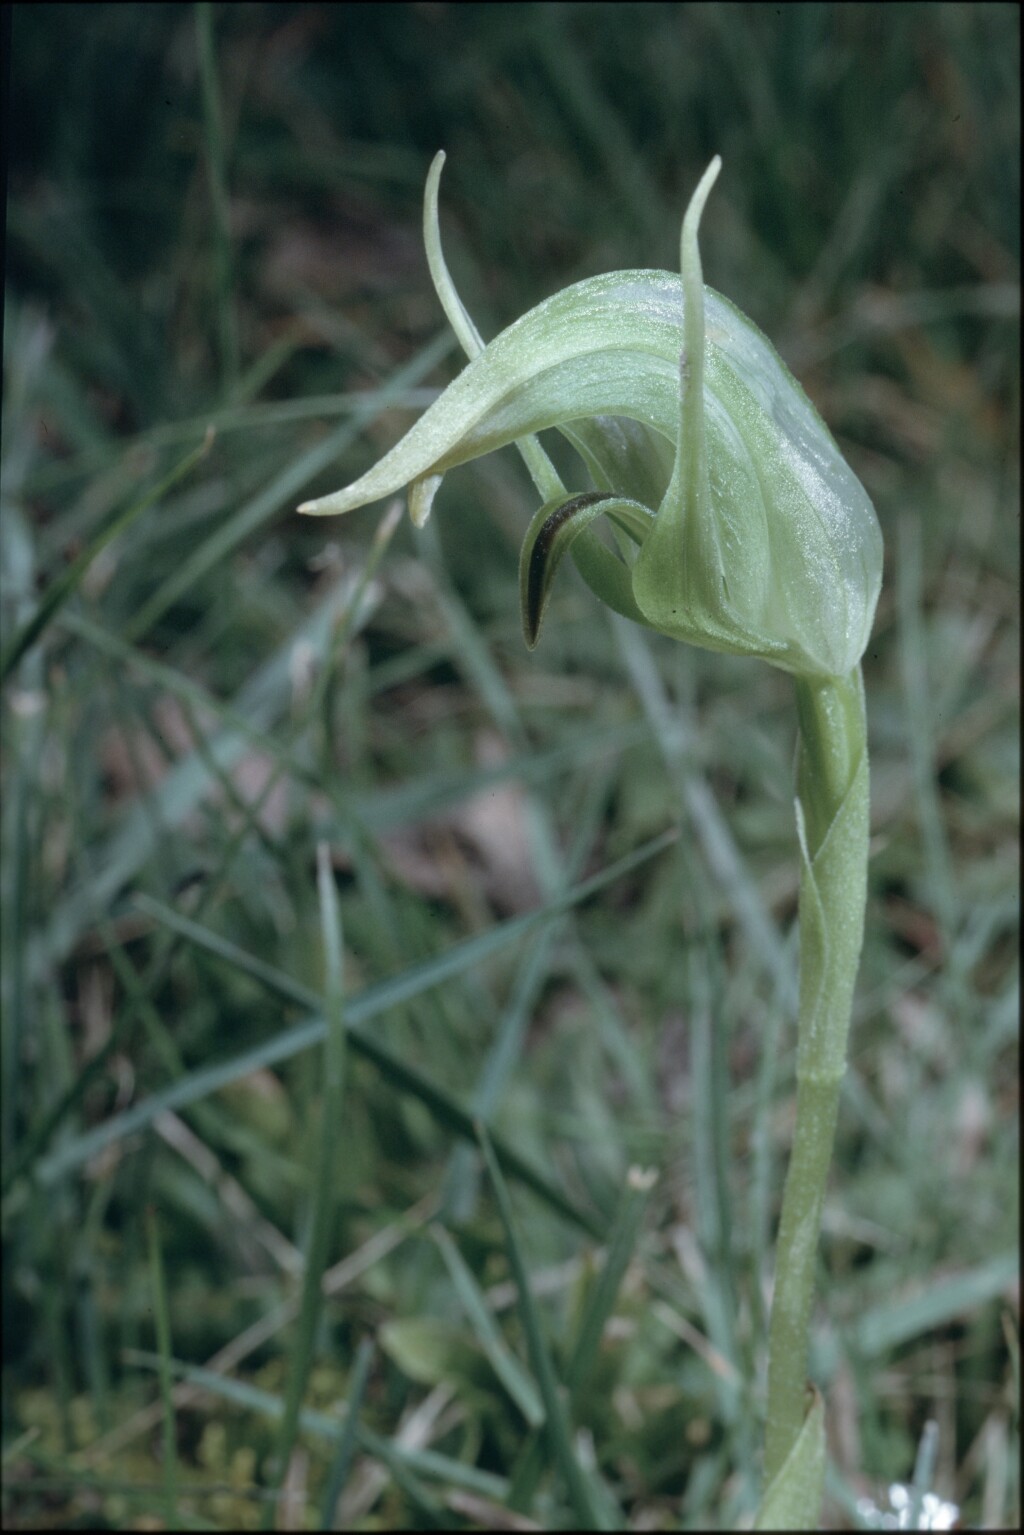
(832, 820)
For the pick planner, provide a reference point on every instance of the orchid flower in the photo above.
(753, 534)
(737, 526)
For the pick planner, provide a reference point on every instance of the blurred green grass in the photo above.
(236, 242)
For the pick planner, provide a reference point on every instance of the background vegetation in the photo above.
(213, 218)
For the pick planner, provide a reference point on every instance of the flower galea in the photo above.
(738, 525)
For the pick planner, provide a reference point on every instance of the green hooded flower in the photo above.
(739, 525)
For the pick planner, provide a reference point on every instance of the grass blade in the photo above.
(283, 490)
(347, 1438)
(321, 1189)
(405, 1465)
(921, 744)
(58, 592)
(504, 1363)
(213, 123)
(359, 1009)
(888, 1326)
(710, 1144)
(161, 1317)
(117, 860)
(622, 1242)
(674, 736)
(582, 1494)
